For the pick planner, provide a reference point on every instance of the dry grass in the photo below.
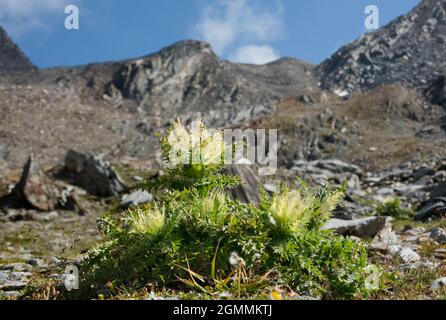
(415, 284)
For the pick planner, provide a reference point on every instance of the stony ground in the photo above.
(407, 240)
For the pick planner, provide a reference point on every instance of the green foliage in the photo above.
(197, 237)
(394, 209)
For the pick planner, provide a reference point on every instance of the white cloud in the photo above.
(254, 54)
(228, 24)
(19, 16)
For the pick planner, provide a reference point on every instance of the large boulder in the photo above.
(434, 208)
(93, 174)
(249, 189)
(35, 188)
(362, 228)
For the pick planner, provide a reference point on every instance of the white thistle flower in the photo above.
(179, 141)
(212, 149)
(236, 261)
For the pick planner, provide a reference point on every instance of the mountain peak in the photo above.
(409, 50)
(186, 48)
(12, 59)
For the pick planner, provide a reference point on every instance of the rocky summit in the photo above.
(409, 50)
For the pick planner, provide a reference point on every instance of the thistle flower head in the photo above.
(290, 210)
(214, 201)
(197, 146)
(147, 220)
(329, 203)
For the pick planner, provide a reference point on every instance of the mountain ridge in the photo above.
(12, 58)
(117, 107)
(409, 50)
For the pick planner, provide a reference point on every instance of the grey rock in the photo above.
(329, 171)
(269, 187)
(433, 208)
(45, 217)
(408, 189)
(350, 210)
(18, 267)
(136, 198)
(439, 284)
(249, 189)
(3, 151)
(330, 165)
(362, 228)
(10, 295)
(353, 182)
(35, 188)
(188, 77)
(93, 174)
(385, 238)
(392, 54)
(438, 235)
(69, 200)
(406, 254)
(35, 262)
(12, 281)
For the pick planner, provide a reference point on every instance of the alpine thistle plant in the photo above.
(193, 158)
(291, 210)
(148, 220)
(197, 146)
(195, 230)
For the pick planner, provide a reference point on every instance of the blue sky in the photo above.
(239, 30)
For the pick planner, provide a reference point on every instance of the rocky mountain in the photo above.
(115, 108)
(410, 50)
(188, 79)
(12, 59)
(126, 102)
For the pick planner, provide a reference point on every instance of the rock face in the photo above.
(35, 188)
(188, 76)
(362, 228)
(12, 59)
(249, 189)
(93, 174)
(409, 50)
(121, 105)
